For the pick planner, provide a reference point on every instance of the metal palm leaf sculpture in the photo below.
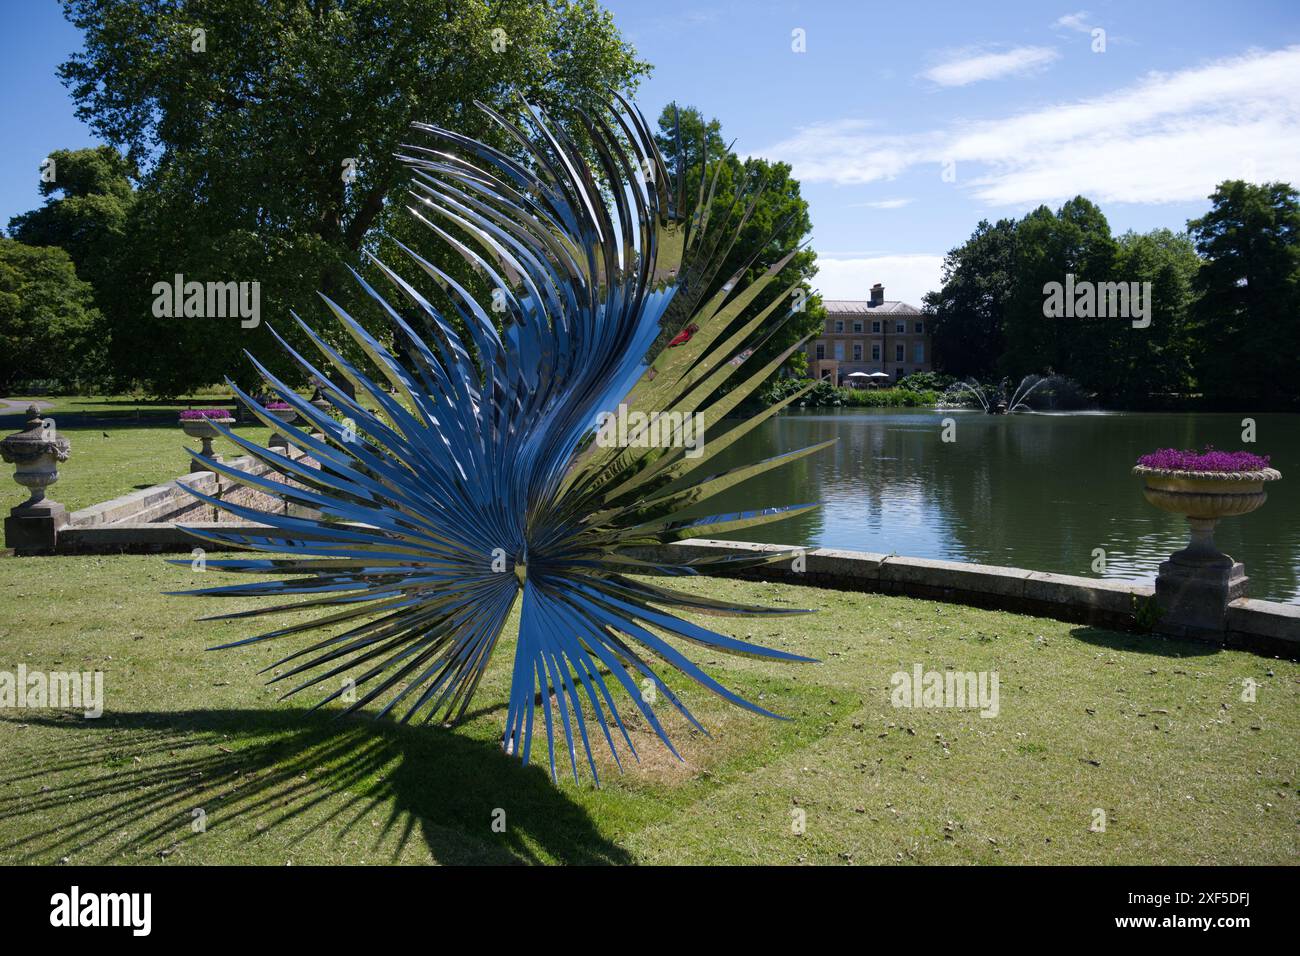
(480, 477)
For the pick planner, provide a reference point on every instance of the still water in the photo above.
(1038, 491)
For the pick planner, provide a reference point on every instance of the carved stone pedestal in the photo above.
(1193, 595)
(34, 529)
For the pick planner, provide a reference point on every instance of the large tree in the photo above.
(49, 328)
(1153, 363)
(88, 198)
(1248, 314)
(266, 131)
(1075, 240)
(968, 312)
(776, 226)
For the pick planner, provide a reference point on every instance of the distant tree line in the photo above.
(1222, 324)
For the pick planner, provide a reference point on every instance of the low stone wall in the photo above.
(169, 502)
(129, 537)
(1252, 623)
(146, 521)
(1264, 626)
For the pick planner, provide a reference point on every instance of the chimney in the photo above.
(877, 294)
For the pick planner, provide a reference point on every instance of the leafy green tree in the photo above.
(266, 130)
(777, 225)
(49, 327)
(88, 200)
(1157, 360)
(968, 312)
(1248, 315)
(988, 317)
(1075, 240)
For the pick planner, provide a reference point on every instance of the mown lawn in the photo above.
(1154, 733)
(119, 444)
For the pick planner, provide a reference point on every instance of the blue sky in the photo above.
(1008, 98)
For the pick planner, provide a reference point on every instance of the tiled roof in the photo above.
(864, 307)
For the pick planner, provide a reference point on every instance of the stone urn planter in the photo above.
(198, 423)
(1196, 584)
(282, 412)
(32, 527)
(36, 451)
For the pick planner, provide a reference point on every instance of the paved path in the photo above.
(13, 406)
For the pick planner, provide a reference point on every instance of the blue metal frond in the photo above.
(471, 465)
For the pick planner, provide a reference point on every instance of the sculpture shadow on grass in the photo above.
(126, 786)
(1144, 643)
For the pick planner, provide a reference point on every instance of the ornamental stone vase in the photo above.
(201, 428)
(32, 527)
(321, 404)
(1196, 584)
(287, 416)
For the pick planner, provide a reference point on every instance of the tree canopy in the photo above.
(266, 133)
(1247, 317)
(89, 197)
(989, 318)
(777, 226)
(48, 321)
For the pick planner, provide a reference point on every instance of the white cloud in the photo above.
(905, 277)
(1075, 21)
(966, 67)
(881, 204)
(822, 151)
(1170, 137)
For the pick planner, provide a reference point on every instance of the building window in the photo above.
(839, 351)
(839, 325)
(821, 350)
(875, 351)
(875, 327)
(857, 326)
(900, 327)
(898, 351)
(919, 328)
(857, 351)
(918, 352)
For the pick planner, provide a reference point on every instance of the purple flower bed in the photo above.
(276, 406)
(194, 414)
(1171, 459)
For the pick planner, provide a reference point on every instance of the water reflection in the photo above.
(1036, 491)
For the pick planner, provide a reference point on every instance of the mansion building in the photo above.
(871, 335)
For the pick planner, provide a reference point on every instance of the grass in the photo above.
(1154, 733)
(119, 444)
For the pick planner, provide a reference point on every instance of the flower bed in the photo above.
(1210, 460)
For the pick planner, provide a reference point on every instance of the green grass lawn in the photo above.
(1154, 733)
(119, 444)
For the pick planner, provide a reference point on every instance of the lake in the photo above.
(1038, 491)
